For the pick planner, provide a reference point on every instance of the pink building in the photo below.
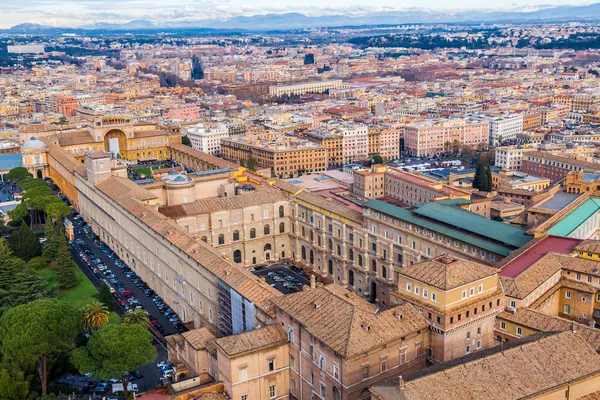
(184, 112)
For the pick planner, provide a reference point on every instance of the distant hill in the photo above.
(287, 21)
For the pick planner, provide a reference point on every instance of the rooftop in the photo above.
(566, 225)
(261, 338)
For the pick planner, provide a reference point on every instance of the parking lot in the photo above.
(284, 277)
(103, 267)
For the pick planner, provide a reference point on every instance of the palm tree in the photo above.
(137, 317)
(95, 315)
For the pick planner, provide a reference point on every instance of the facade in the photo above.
(333, 142)
(35, 158)
(285, 156)
(248, 229)
(66, 105)
(207, 138)
(553, 167)
(255, 364)
(437, 137)
(510, 157)
(503, 127)
(370, 184)
(355, 142)
(460, 299)
(299, 89)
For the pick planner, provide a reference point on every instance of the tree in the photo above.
(490, 181)
(95, 315)
(115, 351)
(50, 249)
(57, 209)
(106, 297)
(24, 243)
(185, 140)
(251, 163)
(38, 263)
(137, 317)
(242, 163)
(377, 159)
(66, 270)
(18, 174)
(35, 333)
(13, 383)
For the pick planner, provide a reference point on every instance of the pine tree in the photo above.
(66, 273)
(106, 297)
(24, 243)
(488, 173)
(478, 179)
(50, 249)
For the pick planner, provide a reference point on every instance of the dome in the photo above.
(33, 144)
(175, 178)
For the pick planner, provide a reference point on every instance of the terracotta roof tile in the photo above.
(269, 336)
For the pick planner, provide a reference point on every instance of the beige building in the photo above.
(248, 228)
(299, 89)
(460, 299)
(340, 344)
(35, 158)
(255, 365)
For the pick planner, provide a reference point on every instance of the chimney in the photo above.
(313, 282)
(400, 383)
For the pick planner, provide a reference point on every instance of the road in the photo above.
(151, 374)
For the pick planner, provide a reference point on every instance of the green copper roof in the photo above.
(436, 224)
(566, 225)
(471, 222)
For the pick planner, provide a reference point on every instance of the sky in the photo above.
(74, 13)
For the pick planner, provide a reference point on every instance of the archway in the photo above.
(237, 256)
(115, 141)
(39, 174)
(373, 292)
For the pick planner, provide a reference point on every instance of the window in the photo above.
(478, 344)
(464, 294)
(293, 386)
(567, 309)
(243, 371)
(281, 211)
(221, 239)
(519, 331)
(271, 365)
(472, 292)
(267, 230)
(323, 392)
(272, 391)
(244, 397)
(310, 349)
(416, 290)
(321, 361)
(336, 372)
(503, 325)
(281, 227)
(383, 366)
(433, 297)
(266, 214)
(292, 362)
(568, 294)
(291, 334)
(365, 373)
(479, 331)
(468, 349)
(425, 293)
(479, 288)
(253, 233)
(408, 287)
(236, 235)
(235, 219)
(469, 335)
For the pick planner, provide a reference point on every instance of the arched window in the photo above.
(221, 239)
(303, 253)
(360, 260)
(252, 233)
(383, 272)
(267, 246)
(312, 257)
(351, 254)
(281, 211)
(267, 230)
(336, 393)
(204, 239)
(236, 235)
(339, 250)
(330, 244)
(330, 266)
(374, 266)
(237, 256)
(351, 278)
(281, 227)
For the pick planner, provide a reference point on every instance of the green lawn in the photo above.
(146, 170)
(82, 294)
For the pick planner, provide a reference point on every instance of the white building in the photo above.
(503, 127)
(355, 142)
(207, 138)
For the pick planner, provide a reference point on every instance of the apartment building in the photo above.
(412, 189)
(510, 157)
(370, 183)
(355, 142)
(340, 345)
(66, 105)
(298, 89)
(435, 137)
(502, 127)
(207, 137)
(552, 166)
(460, 298)
(286, 156)
(333, 141)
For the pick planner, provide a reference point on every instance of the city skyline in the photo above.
(82, 13)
